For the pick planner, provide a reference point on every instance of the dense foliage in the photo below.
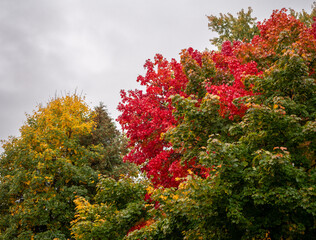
(119, 207)
(53, 161)
(230, 28)
(225, 140)
(246, 114)
(113, 145)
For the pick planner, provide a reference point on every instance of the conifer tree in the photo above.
(106, 135)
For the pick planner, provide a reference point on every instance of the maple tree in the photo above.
(54, 160)
(247, 116)
(147, 115)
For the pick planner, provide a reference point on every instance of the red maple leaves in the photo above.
(147, 115)
(227, 61)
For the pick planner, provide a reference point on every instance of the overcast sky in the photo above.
(97, 46)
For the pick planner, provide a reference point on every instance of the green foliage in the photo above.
(259, 197)
(113, 145)
(304, 16)
(49, 165)
(197, 123)
(197, 71)
(118, 206)
(262, 166)
(230, 28)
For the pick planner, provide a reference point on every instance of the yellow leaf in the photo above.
(175, 197)
(163, 197)
(150, 189)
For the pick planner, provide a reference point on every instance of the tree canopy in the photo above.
(227, 138)
(54, 160)
(225, 141)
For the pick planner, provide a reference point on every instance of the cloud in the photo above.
(97, 47)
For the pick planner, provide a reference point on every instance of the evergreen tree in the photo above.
(112, 143)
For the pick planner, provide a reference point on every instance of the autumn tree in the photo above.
(262, 182)
(304, 16)
(241, 130)
(53, 161)
(244, 27)
(146, 115)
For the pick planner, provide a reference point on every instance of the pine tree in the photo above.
(106, 135)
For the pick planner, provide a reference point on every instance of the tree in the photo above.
(43, 170)
(307, 18)
(253, 126)
(244, 27)
(230, 28)
(113, 145)
(147, 115)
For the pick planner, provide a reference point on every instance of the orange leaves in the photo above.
(279, 33)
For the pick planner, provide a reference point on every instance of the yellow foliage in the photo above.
(163, 197)
(183, 185)
(62, 117)
(175, 197)
(150, 189)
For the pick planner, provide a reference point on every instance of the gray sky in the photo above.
(97, 46)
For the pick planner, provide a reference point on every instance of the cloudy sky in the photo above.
(97, 47)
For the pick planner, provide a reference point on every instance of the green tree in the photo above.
(230, 28)
(262, 160)
(112, 143)
(248, 118)
(43, 170)
(304, 16)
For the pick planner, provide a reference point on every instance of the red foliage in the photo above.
(229, 63)
(313, 30)
(195, 54)
(279, 33)
(147, 115)
(140, 225)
